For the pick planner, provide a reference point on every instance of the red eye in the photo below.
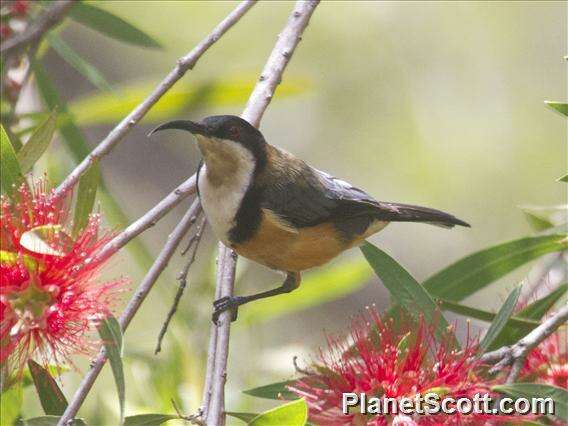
(234, 131)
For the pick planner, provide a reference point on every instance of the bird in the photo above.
(276, 210)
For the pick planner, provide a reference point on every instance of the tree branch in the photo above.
(184, 64)
(134, 304)
(150, 218)
(516, 354)
(270, 78)
(49, 18)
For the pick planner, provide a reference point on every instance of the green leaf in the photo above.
(404, 289)
(500, 320)
(10, 173)
(536, 390)
(294, 413)
(563, 178)
(50, 421)
(76, 61)
(148, 419)
(108, 108)
(52, 399)
(318, 287)
(10, 404)
(37, 143)
(474, 272)
(77, 146)
(111, 334)
(11, 258)
(561, 107)
(85, 197)
(245, 417)
(47, 240)
(277, 390)
(111, 25)
(538, 222)
(525, 325)
(537, 309)
(534, 311)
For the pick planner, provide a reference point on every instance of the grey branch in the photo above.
(271, 76)
(183, 64)
(134, 304)
(150, 218)
(516, 354)
(49, 18)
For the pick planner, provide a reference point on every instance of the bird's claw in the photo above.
(224, 304)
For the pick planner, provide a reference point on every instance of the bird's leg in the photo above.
(291, 283)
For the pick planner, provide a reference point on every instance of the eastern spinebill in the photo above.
(279, 211)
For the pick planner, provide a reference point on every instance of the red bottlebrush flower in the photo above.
(548, 363)
(5, 31)
(382, 362)
(20, 7)
(49, 295)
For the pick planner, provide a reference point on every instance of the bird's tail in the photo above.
(395, 212)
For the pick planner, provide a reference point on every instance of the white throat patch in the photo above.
(223, 182)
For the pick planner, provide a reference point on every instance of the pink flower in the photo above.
(386, 360)
(50, 298)
(548, 363)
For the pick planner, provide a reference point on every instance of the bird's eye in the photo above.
(234, 131)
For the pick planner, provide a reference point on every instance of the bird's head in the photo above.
(226, 141)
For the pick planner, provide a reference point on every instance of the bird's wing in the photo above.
(307, 197)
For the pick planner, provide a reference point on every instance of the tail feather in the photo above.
(395, 212)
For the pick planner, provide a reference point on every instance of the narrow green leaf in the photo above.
(294, 413)
(245, 417)
(86, 195)
(563, 178)
(108, 108)
(37, 143)
(318, 287)
(47, 239)
(11, 403)
(561, 107)
(111, 25)
(10, 173)
(78, 62)
(148, 419)
(525, 325)
(537, 309)
(537, 222)
(404, 289)
(111, 335)
(476, 271)
(537, 390)
(500, 319)
(534, 311)
(277, 390)
(52, 399)
(77, 146)
(50, 421)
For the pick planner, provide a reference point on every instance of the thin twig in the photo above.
(182, 278)
(516, 354)
(259, 100)
(49, 18)
(183, 64)
(149, 218)
(136, 300)
(305, 371)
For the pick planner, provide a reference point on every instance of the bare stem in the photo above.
(134, 304)
(182, 278)
(183, 64)
(516, 354)
(270, 78)
(150, 218)
(49, 18)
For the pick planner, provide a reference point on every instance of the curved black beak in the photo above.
(190, 126)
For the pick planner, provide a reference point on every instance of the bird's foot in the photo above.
(224, 304)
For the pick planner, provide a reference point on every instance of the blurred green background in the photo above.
(431, 103)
